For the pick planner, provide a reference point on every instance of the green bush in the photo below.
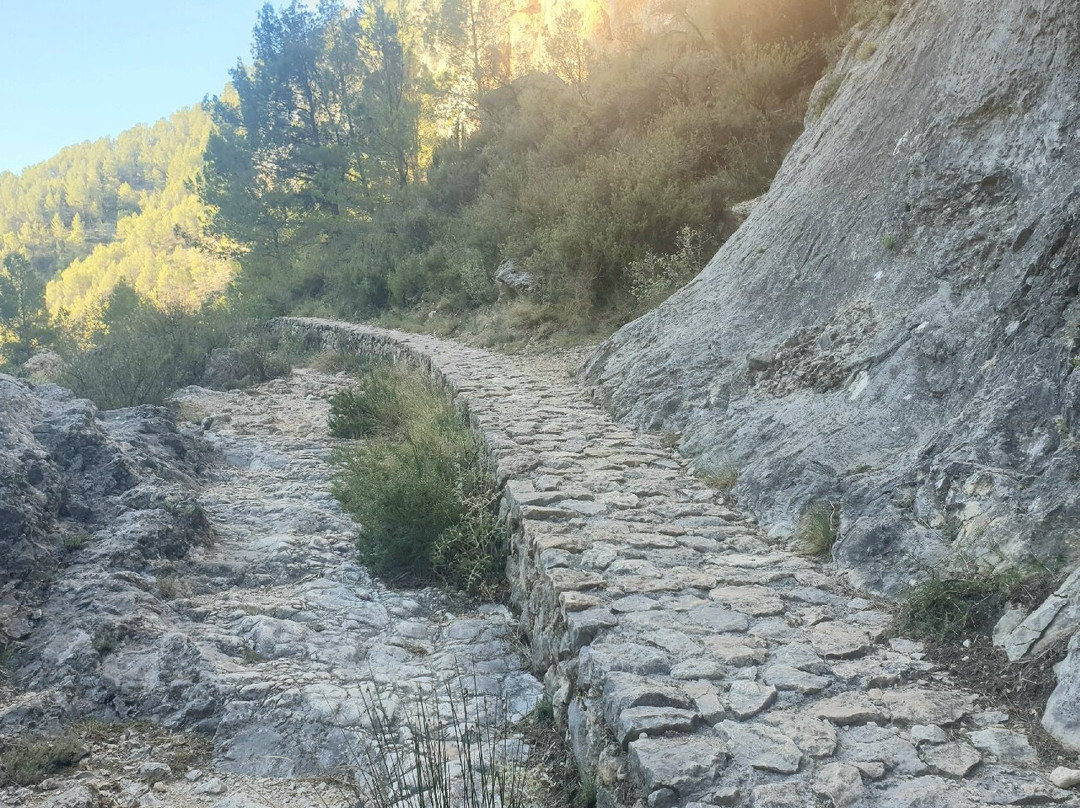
(948, 608)
(29, 760)
(654, 277)
(142, 353)
(817, 529)
(387, 399)
(419, 486)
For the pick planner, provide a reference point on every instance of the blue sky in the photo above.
(75, 70)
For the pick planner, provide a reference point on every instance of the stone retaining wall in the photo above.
(692, 662)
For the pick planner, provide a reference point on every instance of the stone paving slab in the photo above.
(693, 662)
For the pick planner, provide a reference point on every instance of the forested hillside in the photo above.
(115, 209)
(389, 160)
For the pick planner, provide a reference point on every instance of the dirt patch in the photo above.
(1021, 688)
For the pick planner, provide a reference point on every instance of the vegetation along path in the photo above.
(694, 661)
(273, 636)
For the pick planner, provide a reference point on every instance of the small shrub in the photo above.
(74, 541)
(866, 51)
(544, 712)
(419, 488)
(949, 608)
(950, 531)
(387, 399)
(28, 761)
(586, 792)
(722, 476)
(168, 588)
(339, 362)
(105, 642)
(655, 277)
(141, 353)
(816, 532)
(888, 241)
(824, 95)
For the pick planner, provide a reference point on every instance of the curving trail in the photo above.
(695, 662)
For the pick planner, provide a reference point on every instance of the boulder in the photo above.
(514, 280)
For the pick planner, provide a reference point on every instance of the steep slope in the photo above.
(894, 331)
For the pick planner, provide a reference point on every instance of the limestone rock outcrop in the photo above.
(92, 505)
(895, 329)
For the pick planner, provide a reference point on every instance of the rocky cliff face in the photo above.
(895, 330)
(92, 507)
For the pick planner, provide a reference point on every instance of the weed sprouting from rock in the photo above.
(817, 529)
(105, 641)
(74, 541)
(586, 792)
(866, 51)
(544, 712)
(823, 95)
(722, 475)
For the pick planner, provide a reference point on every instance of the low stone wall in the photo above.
(691, 662)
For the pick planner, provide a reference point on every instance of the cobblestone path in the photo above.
(695, 662)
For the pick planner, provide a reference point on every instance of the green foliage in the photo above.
(949, 608)
(544, 712)
(387, 400)
(338, 362)
(888, 241)
(375, 160)
(145, 353)
(821, 99)
(105, 642)
(28, 760)
(654, 277)
(74, 541)
(323, 125)
(585, 797)
(817, 528)
(112, 210)
(420, 489)
(24, 323)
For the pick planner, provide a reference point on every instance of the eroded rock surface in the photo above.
(895, 327)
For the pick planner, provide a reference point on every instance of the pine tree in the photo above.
(24, 322)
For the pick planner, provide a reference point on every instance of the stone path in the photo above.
(273, 640)
(311, 636)
(694, 662)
